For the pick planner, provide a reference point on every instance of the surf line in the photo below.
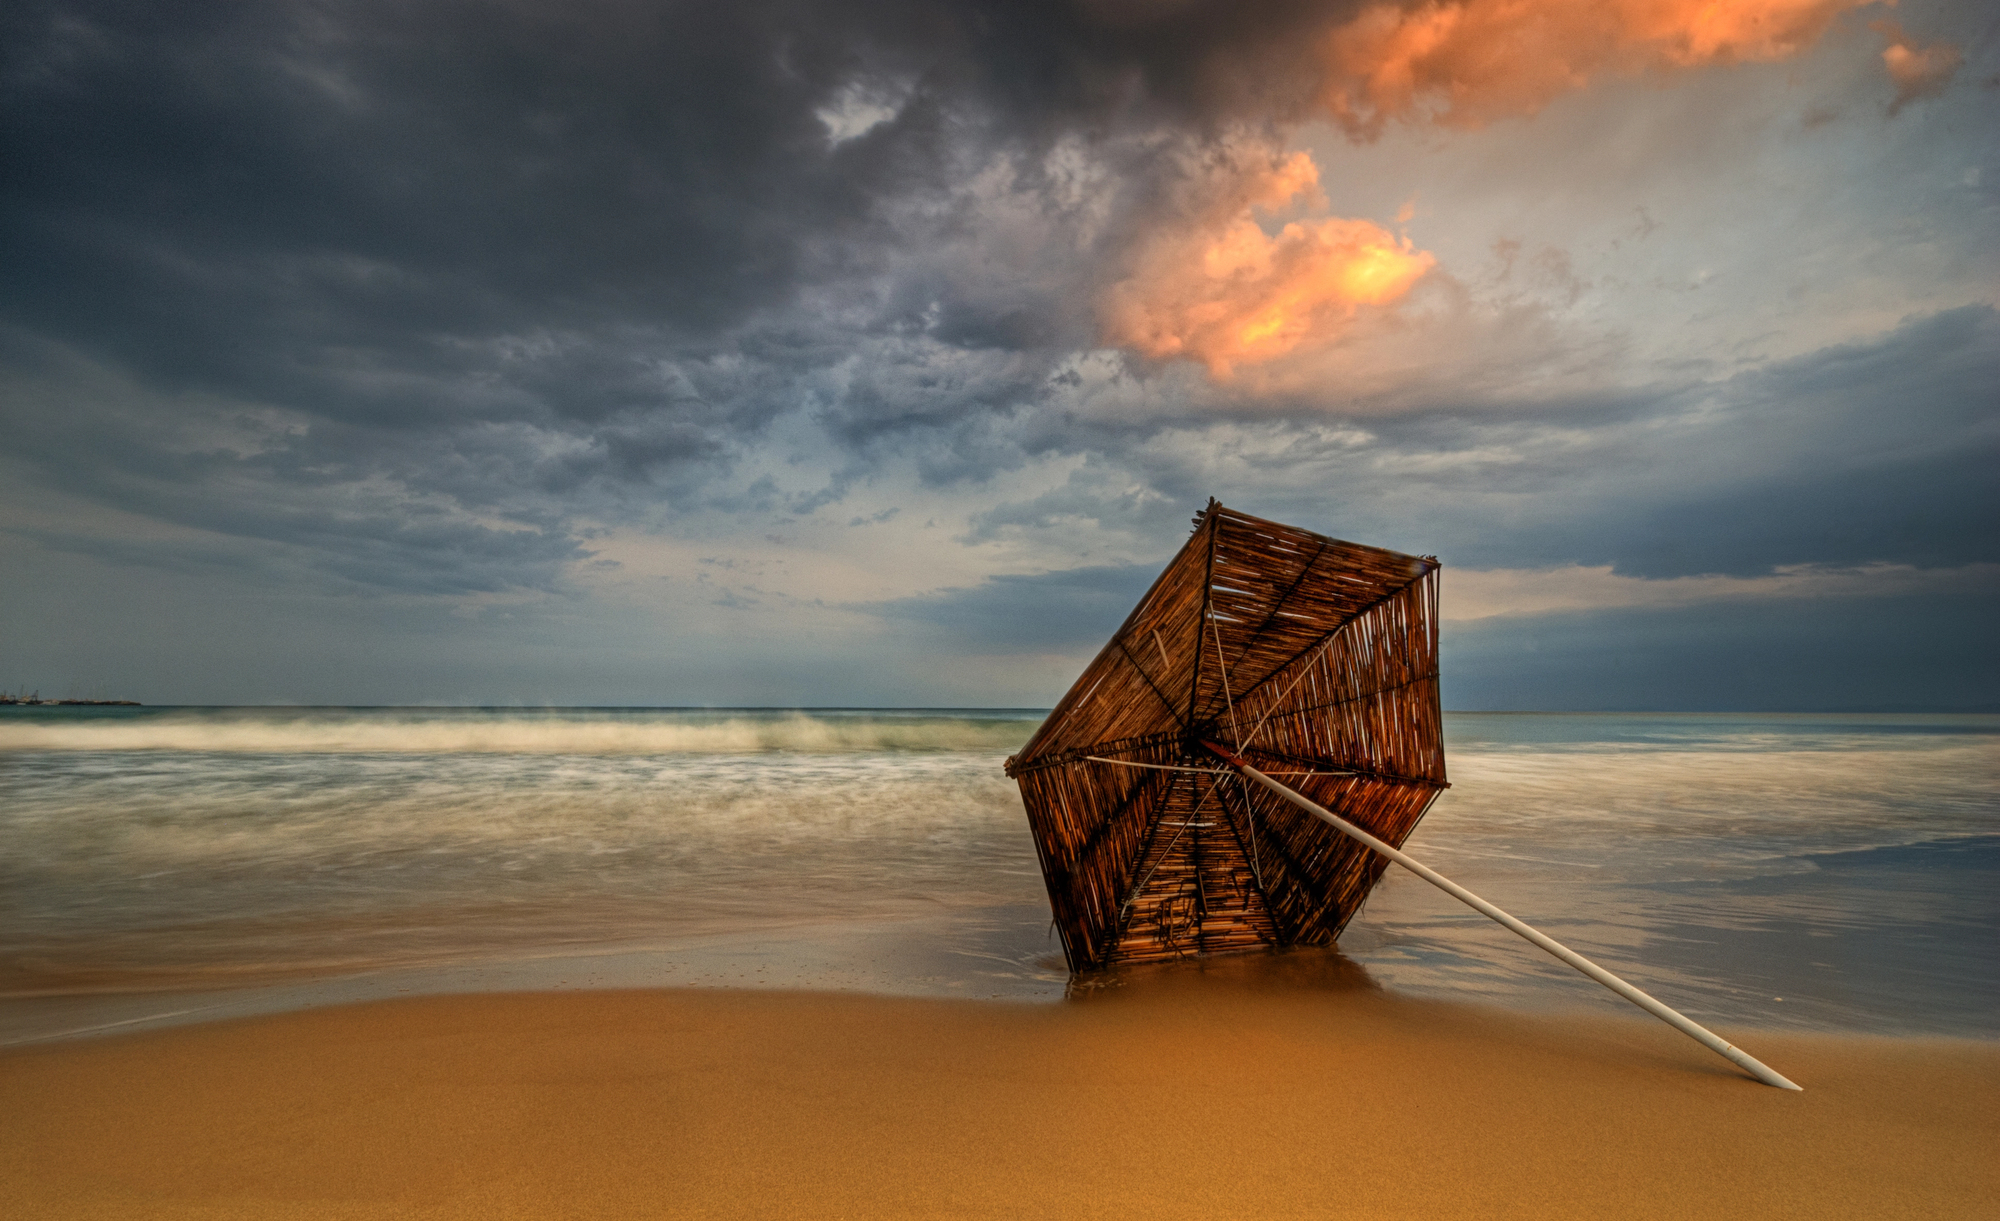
(1672, 1017)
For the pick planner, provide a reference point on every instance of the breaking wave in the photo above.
(523, 733)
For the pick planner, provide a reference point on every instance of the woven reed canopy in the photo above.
(1315, 660)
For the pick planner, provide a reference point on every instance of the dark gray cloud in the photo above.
(356, 554)
(546, 260)
(419, 298)
(1926, 654)
(1915, 653)
(1069, 611)
(241, 193)
(1877, 451)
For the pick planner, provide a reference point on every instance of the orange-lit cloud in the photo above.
(1919, 72)
(1465, 62)
(1219, 289)
(1224, 292)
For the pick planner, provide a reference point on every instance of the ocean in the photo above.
(1818, 872)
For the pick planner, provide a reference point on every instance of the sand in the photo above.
(1184, 1100)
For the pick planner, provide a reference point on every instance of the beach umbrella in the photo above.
(1314, 658)
(1241, 762)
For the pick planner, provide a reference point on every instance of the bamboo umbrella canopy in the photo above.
(1314, 660)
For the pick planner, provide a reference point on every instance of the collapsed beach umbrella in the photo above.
(1246, 756)
(1317, 660)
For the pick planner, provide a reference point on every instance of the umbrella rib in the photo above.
(1171, 710)
(1103, 829)
(1133, 896)
(1157, 767)
(1249, 854)
(1223, 771)
(1200, 881)
(1272, 616)
(1223, 670)
(1132, 892)
(1328, 637)
(1330, 902)
(1207, 610)
(1360, 773)
(1285, 863)
(1339, 703)
(1277, 703)
(1412, 681)
(1326, 642)
(1294, 869)
(1064, 758)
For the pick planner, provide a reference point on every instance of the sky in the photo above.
(878, 353)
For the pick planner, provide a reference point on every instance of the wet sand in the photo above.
(1183, 1098)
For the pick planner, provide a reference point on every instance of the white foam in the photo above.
(503, 733)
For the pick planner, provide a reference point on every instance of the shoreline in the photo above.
(1185, 1096)
(890, 956)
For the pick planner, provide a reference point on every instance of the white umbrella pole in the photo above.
(1672, 1017)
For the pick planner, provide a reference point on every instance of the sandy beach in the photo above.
(1182, 1098)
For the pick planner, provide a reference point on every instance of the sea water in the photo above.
(1817, 872)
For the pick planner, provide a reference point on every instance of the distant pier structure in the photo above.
(25, 698)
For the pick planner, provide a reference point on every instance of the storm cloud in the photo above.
(935, 321)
